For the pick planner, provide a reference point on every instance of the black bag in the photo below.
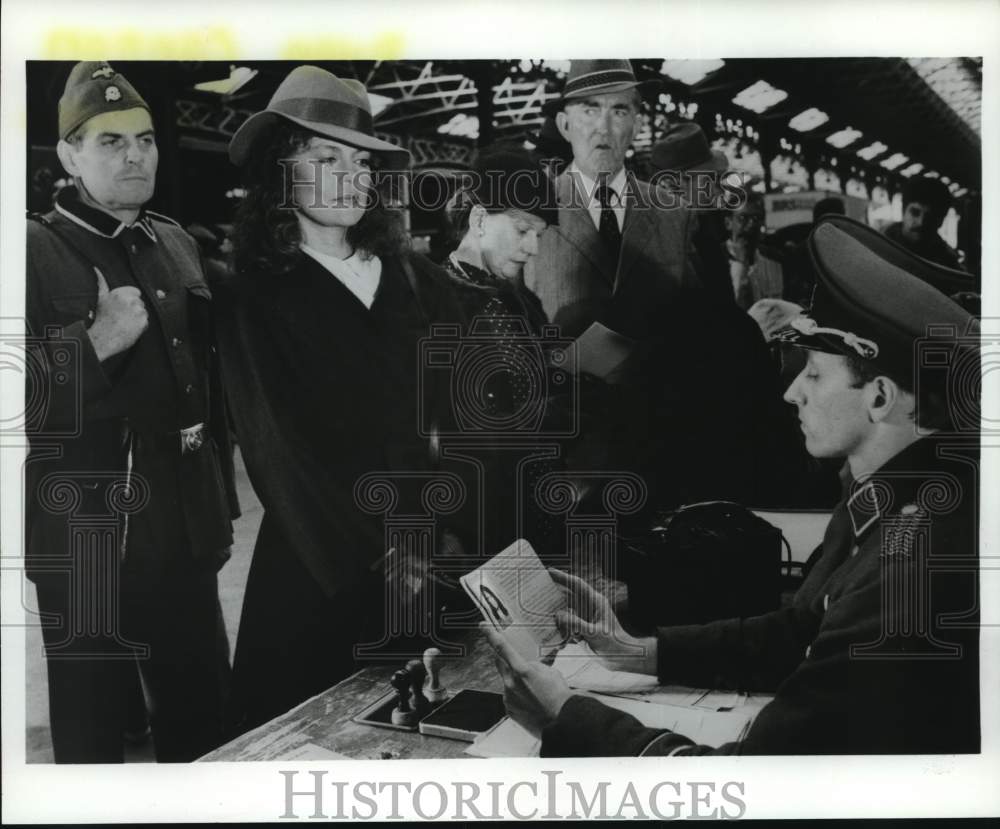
(712, 560)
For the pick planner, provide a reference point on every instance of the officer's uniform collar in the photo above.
(875, 495)
(70, 205)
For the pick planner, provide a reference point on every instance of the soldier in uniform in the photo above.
(878, 651)
(131, 428)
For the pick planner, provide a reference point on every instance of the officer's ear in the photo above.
(883, 395)
(67, 157)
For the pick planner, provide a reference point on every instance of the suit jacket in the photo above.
(879, 651)
(576, 280)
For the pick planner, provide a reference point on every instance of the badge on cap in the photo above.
(103, 72)
(112, 93)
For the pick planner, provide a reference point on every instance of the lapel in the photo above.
(576, 226)
(637, 234)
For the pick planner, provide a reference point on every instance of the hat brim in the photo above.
(717, 162)
(605, 89)
(260, 123)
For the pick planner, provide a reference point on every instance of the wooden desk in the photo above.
(325, 720)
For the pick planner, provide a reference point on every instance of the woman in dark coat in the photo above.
(319, 332)
(495, 223)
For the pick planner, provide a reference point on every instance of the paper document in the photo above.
(582, 669)
(703, 727)
(517, 596)
(505, 739)
(311, 751)
(599, 351)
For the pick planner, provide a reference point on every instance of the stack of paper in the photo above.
(582, 669)
(704, 727)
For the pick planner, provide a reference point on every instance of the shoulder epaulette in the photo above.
(901, 530)
(160, 217)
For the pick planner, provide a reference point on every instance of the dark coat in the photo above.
(711, 255)
(859, 663)
(504, 317)
(92, 426)
(692, 395)
(323, 391)
(933, 248)
(85, 410)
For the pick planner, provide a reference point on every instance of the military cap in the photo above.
(94, 87)
(873, 299)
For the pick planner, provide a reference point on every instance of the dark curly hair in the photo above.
(266, 232)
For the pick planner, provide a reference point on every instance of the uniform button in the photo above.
(134, 249)
(175, 342)
(854, 550)
(90, 314)
(808, 650)
(161, 294)
(188, 389)
(826, 601)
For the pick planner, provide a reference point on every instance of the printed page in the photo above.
(516, 594)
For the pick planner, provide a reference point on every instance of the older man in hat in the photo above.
(878, 651)
(613, 246)
(688, 169)
(129, 480)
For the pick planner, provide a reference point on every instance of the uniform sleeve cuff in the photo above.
(682, 651)
(586, 727)
(93, 381)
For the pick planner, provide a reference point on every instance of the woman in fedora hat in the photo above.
(319, 332)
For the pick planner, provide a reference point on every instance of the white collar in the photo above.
(361, 276)
(589, 185)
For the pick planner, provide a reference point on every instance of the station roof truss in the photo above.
(926, 110)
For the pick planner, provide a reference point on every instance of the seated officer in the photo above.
(878, 652)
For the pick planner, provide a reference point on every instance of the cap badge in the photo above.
(104, 72)
(112, 93)
(809, 327)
